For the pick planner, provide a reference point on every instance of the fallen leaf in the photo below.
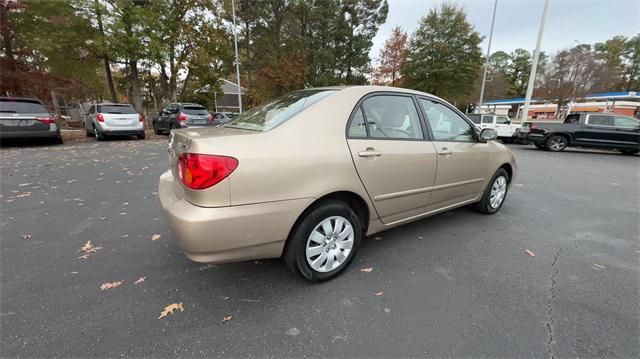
(110, 285)
(366, 270)
(379, 238)
(226, 319)
(530, 253)
(518, 184)
(170, 308)
(87, 246)
(26, 236)
(379, 293)
(140, 280)
(257, 263)
(155, 237)
(598, 266)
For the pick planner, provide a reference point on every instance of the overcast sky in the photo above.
(517, 21)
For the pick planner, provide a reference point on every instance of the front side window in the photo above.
(600, 120)
(267, 116)
(446, 124)
(625, 122)
(487, 119)
(392, 117)
(503, 120)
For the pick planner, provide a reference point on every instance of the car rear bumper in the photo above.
(121, 132)
(228, 234)
(29, 134)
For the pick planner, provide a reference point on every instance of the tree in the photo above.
(444, 55)
(631, 57)
(518, 72)
(392, 57)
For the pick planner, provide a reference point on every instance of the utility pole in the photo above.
(486, 61)
(534, 65)
(235, 42)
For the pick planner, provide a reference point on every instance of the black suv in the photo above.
(181, 115)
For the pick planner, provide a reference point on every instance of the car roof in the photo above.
(113, 104)
(9, 98)
(188, 104)
(366, 89)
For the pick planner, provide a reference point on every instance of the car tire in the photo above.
(556, 143)
(171, 127)
(628, 152)
(498, 186)
(155, 128)
(89, 133)
(57, 140)
(141, 137)
(99, 136)
(317, 255)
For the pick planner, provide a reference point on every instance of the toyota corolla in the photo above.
(306, 176)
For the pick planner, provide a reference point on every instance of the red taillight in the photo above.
(140, 118)
(47, 120)
(211, 118)
(99, 117)
(197, 171)
(182, 118)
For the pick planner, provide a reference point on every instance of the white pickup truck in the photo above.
(507, 131)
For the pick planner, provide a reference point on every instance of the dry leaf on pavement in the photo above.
(530, 253)
(110, 285)
(366, 270)
(140, 280)
(26, 236)
(170, 308)
(155, 237)
(379, 293)
(226, 319)
(598, 266)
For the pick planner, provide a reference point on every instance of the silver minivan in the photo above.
(113, 119)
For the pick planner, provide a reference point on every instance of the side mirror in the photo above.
(488, 134)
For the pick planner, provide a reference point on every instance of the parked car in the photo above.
(181, 115)
(113, 119)
(507, 131)
(220, 118)
(309, 174)
(589, 130)
(27, 118)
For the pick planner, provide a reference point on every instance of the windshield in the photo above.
(194, 110)
(271, 114)
(21, 106)
(117, 109)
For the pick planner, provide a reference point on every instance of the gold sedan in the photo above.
(308, 175)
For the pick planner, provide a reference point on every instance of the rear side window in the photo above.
(392, 117)
(600, 120)
(272, 114)
(21, 106)
(474, 118)
(116, 109)
(572, 119)
(195, 110)
(357, 128)
(487, 119)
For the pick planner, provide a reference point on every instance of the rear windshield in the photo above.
(194, 110)
(118, 109)
(474, 118)
(18, 106)
(271, 114)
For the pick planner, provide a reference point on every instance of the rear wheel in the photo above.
(155, 128)
(141, 137)
(57, 140)
(495, 193)
(97, 134)
(324, 242)
(556, 143)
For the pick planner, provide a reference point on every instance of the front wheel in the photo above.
(556, 143)
(495, 193)
(324, 242)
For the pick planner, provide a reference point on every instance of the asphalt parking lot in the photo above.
(459, 284)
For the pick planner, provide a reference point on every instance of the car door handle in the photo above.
(445, 152)
(370, 152)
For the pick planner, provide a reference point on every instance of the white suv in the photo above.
(507, 132)
(116, 119)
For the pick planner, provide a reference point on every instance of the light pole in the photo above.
(486, 62)
(534, 65)
(235, 42)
